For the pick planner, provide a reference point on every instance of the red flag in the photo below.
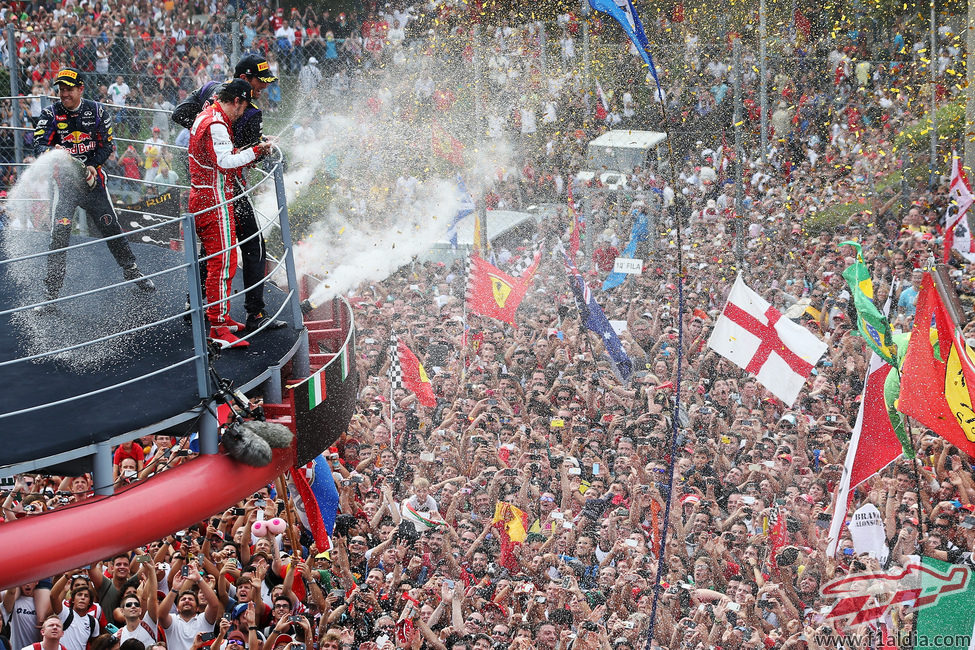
(445, 145)
(803, 26)
(873, 446)
(406, 371)
(492, 292)
(937, 390)
(573, 226)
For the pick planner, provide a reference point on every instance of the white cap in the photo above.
(312, 60)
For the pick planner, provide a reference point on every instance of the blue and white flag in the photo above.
(465, 208)
(638, 233)
(595, 320)
(625, 14)
(317, 499)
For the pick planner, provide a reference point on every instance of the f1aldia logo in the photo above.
(866, 597)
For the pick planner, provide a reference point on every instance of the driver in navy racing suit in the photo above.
(83, 129)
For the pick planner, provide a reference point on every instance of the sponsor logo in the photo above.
(865, 598)
(262, 66)
(79, 141)
(62, 125)
(501, 290)
(64, 222)
(76, 137)
(69, 74)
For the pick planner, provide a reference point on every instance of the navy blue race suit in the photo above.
(86, 133)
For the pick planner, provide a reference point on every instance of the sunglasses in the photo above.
(132, 604)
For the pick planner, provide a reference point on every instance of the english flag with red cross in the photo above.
(753, 335)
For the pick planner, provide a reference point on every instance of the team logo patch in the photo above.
(64, 222)
(262, 66)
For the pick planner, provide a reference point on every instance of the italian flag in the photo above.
(344, 362)
(316, 388)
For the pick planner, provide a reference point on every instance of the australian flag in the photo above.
(594, 319)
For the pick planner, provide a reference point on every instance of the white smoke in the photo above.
(373, 226)
(75, 320)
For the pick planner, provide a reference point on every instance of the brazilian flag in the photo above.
(872, 324)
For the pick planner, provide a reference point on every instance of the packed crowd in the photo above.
(535, 417)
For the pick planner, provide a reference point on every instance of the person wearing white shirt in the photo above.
(182, 628)
(310, 77)
(138, 625)
(52, 631)
(79, 626)
(118, 91)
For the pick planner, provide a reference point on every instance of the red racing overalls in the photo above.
(212, 163)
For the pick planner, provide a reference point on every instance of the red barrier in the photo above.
(96, 528)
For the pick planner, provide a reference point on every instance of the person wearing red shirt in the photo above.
(129, 450)
(604, 257)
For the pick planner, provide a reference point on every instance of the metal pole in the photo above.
(485, 241)
(14, 68)
(543, 47)
(970, 93)
(739, 154)
(476, 34)
(933, 62)
(763, 81)
(591, 230)
(209, 430)
(102, 475)
(586, 71)
(235, 42)
(301, 361)
(195, 289)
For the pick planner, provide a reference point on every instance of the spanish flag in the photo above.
(514, 521)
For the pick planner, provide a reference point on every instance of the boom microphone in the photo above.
(245, 446)
(275, 435)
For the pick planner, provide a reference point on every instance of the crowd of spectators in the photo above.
(534, 416)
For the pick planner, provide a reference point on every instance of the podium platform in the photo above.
(164, 401)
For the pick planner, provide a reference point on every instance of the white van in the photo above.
(614, 154)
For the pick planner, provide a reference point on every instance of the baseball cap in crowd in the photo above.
(69, 77)
(253, 65)
(238, 610)
(156, 129)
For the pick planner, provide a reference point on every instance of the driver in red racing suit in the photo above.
(212, 158)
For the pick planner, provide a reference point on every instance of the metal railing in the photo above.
(198, 356)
